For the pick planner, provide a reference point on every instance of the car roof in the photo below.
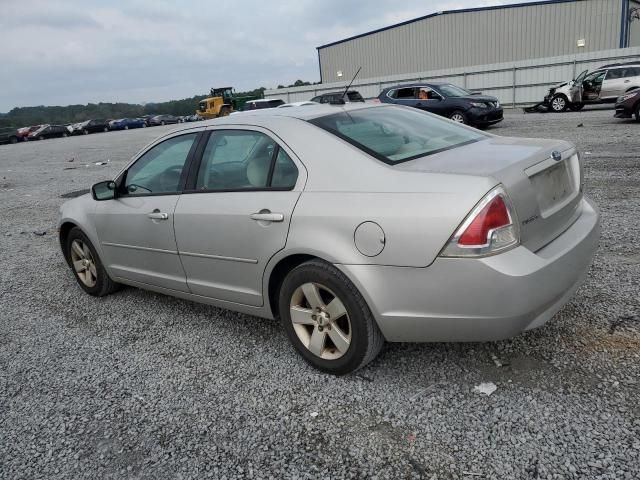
(420, 84)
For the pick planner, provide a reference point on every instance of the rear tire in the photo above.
(85, 132)
(105, 129)
(559, 104)
(86, 265)
(334, 330)
(65, 135)
(126, 127)
(162, 123)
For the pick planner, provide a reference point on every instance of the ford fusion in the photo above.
(354, 225)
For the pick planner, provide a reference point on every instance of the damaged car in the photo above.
(603, 85)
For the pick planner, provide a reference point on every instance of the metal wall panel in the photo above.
(533, 77)
(477, 38)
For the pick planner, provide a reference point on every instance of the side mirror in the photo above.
(104, 191)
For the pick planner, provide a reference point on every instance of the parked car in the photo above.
(192, 118)
(352, 225)
(48, 131)
(339, 97)
(603, 85)
(126, 123)
(628, 105)
(23, 133)
(446, 100)
(262, 103)
(163, 120)
(9, 135)
(90, 126)
(298, 104)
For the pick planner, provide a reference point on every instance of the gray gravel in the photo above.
(139, 385)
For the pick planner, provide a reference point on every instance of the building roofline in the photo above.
(447, 12)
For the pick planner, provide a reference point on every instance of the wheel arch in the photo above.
(277, 275)
(63, 235)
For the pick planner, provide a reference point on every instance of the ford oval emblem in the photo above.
(556, 155)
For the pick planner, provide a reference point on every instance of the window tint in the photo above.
(160, 168)
(235, 160)
(395, 135)
(285, 172)
(631, 72)
(405, 93)
(615, 73)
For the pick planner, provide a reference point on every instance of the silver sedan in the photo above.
(354, 225)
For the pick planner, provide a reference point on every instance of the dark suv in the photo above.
(447, 100)
(339, 97)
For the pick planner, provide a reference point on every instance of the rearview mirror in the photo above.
(104, 191)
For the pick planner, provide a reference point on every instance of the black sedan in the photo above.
(628, 105)
(163, 120)
(49, 131)
(90, 126)
(447, 100)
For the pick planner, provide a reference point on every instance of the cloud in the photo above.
(151, 50)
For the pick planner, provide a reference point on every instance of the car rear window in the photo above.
(395, 134)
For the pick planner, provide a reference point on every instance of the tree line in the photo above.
(24, 116)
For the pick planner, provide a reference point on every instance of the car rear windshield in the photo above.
(355, 97)
(396, 134)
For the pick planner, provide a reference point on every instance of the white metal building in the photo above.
(482, 36)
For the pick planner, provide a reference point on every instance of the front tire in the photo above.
(327, 320)
(559, 104)
(86, 265)
(458, 116)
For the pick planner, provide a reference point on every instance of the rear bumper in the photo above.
(461, 299)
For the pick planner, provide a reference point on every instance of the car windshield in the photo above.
(394, 134)
(449, 90)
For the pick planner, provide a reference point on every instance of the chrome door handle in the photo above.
(267, 217)
(158, 216)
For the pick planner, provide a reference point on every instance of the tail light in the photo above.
(489, 228)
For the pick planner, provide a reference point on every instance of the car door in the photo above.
(136, 228)
(613, 84)
(236, 217)
(592, 85)
(435, 103)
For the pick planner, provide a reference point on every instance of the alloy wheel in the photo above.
(83, 263)
(320, 320)
(558, 104)
(457, 117)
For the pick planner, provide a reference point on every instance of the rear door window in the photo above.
(355, 97)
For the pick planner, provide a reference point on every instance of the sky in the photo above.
(140, 51)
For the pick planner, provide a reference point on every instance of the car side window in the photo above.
(614, 73)
(160, 168)
(243, 160)
(285, 172)
(631, 72)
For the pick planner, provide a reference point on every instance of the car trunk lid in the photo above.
(545, 192)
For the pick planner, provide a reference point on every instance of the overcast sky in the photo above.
(60, 53)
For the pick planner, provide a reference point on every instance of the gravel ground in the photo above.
(139, 385)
